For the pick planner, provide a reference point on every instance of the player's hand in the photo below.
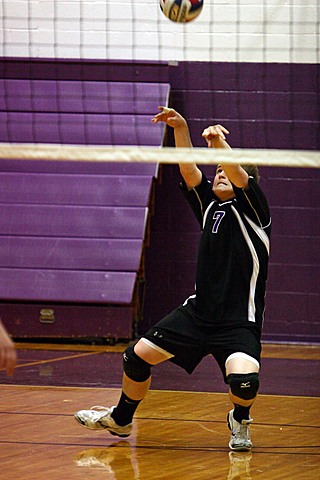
(214, 132)
(8, 355)
(169, 116)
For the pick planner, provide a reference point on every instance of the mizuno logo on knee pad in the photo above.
(244, 385)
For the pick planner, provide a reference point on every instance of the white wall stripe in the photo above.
(225, 31)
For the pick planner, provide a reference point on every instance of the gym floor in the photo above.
(180, 429)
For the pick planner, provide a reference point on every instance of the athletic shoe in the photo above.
(99, 418)
(240, 433)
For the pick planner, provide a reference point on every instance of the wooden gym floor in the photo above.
(180, 430)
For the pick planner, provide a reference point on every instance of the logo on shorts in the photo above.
(245, 385)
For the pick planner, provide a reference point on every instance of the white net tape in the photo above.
(170, 155)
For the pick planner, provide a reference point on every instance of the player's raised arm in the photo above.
(215, 136)
(189, 171)
(172, 118)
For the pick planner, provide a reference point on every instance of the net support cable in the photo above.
(171, 155)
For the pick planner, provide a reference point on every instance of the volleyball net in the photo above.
(165, 155)
(75, 116)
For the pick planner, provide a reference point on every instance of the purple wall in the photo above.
(263, 106)
(293, 299)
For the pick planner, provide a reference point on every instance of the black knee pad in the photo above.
(244, 385)
(134, 367)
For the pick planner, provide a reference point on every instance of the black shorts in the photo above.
(179, 334)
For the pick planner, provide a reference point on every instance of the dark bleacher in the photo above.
(73, 234)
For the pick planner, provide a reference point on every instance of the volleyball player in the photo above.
(224, 316)
(8, 356)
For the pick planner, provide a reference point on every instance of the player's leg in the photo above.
(162, 342)
(243, 379)
(137, 363)
(242, 372)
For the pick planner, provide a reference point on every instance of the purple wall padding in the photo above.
(80, 128)
(53, 320)
(87, 168)
(73, 234)
(77, 286)
(70, 253)
(79, 111)
(75, 189)
(72, 96)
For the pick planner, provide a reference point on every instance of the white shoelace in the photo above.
(100, 411)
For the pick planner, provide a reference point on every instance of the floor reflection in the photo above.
(239, 466)
(120, 460)
(116, 459)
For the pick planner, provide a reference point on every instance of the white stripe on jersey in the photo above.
(199, 200)
(255, 270)
(189, 298)
(260, 232)
(206, 213)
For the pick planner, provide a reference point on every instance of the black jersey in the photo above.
(232, 262)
